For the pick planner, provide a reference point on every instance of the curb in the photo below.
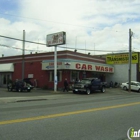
(28, 99)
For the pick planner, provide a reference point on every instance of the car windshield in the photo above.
(85, 81)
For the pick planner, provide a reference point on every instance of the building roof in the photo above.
(66, 54)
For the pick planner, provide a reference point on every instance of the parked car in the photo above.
(28, 81)
(88, 85)
(19, 86)
(134, 86)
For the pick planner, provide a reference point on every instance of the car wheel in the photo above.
(138, 90)
(28, 90)
(103, 89)
(125, 88)
(88, 91)
(74, 91)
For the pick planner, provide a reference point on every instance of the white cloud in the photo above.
(89, 24)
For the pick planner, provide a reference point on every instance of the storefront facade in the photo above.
(40, 68)
(6, 71)
(121, 67)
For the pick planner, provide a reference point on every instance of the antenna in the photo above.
(85, 46)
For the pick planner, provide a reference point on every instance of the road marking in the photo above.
(67, 113)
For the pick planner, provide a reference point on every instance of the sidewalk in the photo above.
(27, 99)
(40, 94)
(34, 95)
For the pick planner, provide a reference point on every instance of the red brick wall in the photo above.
(33, 66)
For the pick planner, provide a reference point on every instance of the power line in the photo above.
(20, 48)
(22, 40)
(92, 50)
(57, 46)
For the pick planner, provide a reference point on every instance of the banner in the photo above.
(121, 58)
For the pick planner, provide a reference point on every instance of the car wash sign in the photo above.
(121, 58)
(93, 67)
(56, 39)
(78, 66)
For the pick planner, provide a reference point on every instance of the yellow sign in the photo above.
(121, 58)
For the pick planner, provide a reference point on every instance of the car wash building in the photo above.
(39, 67)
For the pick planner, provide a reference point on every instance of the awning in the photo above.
(8, 67)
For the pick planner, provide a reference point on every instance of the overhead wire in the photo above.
(53, 22)
(20, 48)
(22, 40)
(46, 45)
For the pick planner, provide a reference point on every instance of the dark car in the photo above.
(19, 86)
(89, 85)
(28, 81)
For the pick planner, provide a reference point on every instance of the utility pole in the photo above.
(130, 58)
(55, 69)
(75, 42)
(23, 53)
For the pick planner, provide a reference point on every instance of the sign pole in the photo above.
(54, 40)
(23, 53)
(55, 69)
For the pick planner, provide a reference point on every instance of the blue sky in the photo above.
(9, 6)
(99, 24)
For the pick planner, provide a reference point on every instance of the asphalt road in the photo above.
(68, 116)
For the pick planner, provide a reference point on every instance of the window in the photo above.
(95, 74)
(5, 78)
(74, 75)
(59, 76)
